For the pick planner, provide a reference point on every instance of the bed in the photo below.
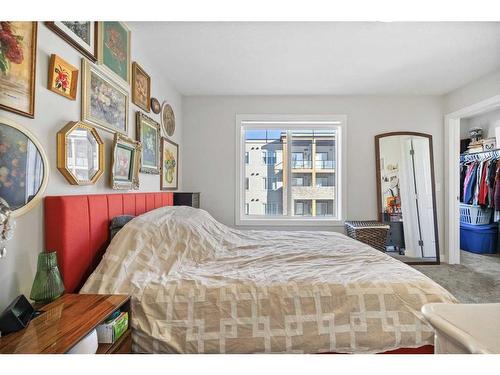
(198, 286)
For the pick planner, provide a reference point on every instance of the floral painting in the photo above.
(17, 155)
(141, 87)
(17, 67)
(169, 164)
(63, 77)
(115, 48)
(148, 133)
(123, 163)
(105, 102)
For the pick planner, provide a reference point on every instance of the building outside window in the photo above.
(297, 163)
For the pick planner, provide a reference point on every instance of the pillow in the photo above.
(117, 223)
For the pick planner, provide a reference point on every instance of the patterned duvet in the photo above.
(198, 286)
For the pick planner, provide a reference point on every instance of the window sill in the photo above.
(293, 222)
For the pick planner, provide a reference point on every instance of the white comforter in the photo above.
(198, 286)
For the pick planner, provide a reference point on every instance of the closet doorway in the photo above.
(470, 207)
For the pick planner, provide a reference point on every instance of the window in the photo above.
(269, 157)
(300, 170)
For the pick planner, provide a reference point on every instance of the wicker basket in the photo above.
(372, 233)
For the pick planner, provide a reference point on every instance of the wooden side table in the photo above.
(65, 322)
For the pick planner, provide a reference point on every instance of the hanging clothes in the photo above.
(482, 198)
(470, 183)
(491, 182)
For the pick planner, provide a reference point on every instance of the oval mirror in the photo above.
(80, 153)
(24, 169)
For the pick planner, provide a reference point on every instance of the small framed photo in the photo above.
(148, 133)
(141, 87)
(169, 164)
(63, 77)
(125, 162)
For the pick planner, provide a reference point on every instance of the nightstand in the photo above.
(187, 199)
(65, 322)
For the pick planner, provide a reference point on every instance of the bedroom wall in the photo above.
(488, 122)
(209, 137)
(474, 92)
(52, 112)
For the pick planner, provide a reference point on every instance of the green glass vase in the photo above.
(48, 284)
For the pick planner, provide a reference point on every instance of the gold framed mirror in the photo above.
(24, 168)
(80, 153)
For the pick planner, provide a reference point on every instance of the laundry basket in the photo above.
(474, 215)
(370, 232)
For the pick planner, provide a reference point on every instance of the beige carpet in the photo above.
(475, 280)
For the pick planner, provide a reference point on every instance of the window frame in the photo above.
(291, 122)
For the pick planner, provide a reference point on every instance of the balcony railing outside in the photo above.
(302, 164)
(324, 164)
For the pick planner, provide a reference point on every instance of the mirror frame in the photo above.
(433, 182)
(46, 168)
(62, 148)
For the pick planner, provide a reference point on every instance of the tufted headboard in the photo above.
(76, 227)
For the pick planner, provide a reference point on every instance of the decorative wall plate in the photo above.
(168, 119)
(155, 105)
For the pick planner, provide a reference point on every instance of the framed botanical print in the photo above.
(18, 67)
(148, 133)
(104, 102)
(169, 164)
(81, 35)
(141, 87)
(63, 77)
(114, 48)
(125, 162)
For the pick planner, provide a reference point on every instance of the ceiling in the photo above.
(317, 58)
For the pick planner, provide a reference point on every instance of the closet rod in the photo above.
(480, 155)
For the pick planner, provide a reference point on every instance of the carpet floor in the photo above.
(475, 280)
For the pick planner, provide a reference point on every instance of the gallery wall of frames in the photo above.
(83, 110)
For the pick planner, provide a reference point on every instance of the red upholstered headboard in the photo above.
(76, 226)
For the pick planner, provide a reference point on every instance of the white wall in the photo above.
(487, 121)
(209, 134)
(474, 92)
(52, 112)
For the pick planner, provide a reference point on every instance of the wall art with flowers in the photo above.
(18, 66)
(63, 77)
(169, 164)
(114, 48)
(104, 102)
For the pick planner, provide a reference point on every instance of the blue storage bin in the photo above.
(479, 239)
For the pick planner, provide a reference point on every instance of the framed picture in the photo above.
(63, 77)
(168, 119)
(104, 102)
(114, 48)
(148, 133)
(24, 168)
(125, 162)
(169, 164)
(141, 87)
(18, 67)
(155, 105)
(81, 35)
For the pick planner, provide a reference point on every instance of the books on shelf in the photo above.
(112, 329)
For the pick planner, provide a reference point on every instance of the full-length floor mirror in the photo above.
(406, 196)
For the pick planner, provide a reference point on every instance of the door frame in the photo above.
(452, 172)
